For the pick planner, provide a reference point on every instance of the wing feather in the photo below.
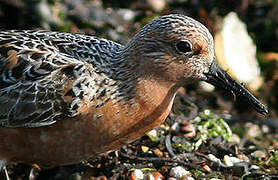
(46, 76)
(32, 82)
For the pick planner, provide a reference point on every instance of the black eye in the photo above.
(184, 46)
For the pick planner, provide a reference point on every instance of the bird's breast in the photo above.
(92, 132)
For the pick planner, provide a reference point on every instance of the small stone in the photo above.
(227, 161)
(158, 175)
(259, 154)
(253, 130)
(243, 157)
(145, 148)
(152, 135)
(206, 86)
(235, 160)
(158, 153)
(197, 119)
(157, 5)
(126, 14)
(265, 129)
(154, 176)
(235, 138)
(179, 172)
(254, 167)
(213, 158)
(175, 126)
(206, 168)
(137, 174)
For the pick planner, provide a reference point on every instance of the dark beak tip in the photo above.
(220, 78)
(264, 110)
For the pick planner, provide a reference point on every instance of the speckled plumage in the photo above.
(69, 97)
(45, 76)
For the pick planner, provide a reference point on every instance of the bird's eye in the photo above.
(184, 46)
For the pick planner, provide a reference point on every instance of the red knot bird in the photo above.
(68, 97)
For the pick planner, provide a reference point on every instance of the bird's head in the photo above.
(179, 49)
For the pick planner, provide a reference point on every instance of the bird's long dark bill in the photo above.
(220, 78)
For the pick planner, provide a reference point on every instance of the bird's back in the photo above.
(78, 46)
(44, 76)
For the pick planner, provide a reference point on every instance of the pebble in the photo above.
(243, 157)
(265, 129)
(235, 160)
(253, 130)
(179, 172)
(206, 168)
(157, 5)
(214, 159)
(158, 175)
(175, 126)
(154, 176)
(206, 86)
(227, 161)
(259, 154)
(235, 138)
(126, 14)
(152, 135)
(145, 148)
(254, 167)
(158, 153)
(137, 174)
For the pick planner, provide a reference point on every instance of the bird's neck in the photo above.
(153, 86)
